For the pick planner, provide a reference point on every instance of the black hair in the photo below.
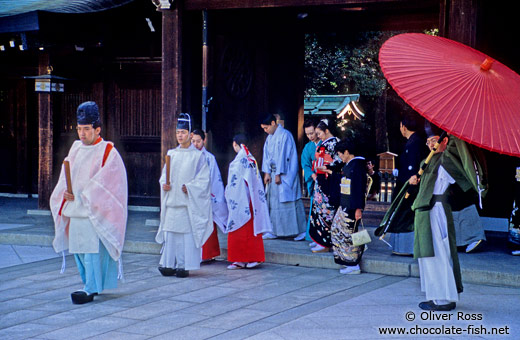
(374, 163)
(95, 125)
(411, 123)
(240, 139)
(347, 144)
(326, 124)
(268, 119)
(310, 122)
(322, 126)
(372, 160)
(200, 133)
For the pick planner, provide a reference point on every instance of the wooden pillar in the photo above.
(45, 137)
(171, 76)
(458, 21)
(300, 85)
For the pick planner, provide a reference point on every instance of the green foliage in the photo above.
(345, 65)
(341, 64)
(362, 67)
(324, 59)
(359, 130)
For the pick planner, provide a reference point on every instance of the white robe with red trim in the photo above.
(245, 184)
(100, 193)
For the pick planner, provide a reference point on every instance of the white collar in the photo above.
(357, 157)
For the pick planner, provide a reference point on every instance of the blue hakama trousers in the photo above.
(98, 271)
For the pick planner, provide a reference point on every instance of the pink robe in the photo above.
(105, 196)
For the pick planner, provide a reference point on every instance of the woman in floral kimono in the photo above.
(352, 202)
(326, 193)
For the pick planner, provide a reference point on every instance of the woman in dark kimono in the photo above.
(326, 193)
(352, 202)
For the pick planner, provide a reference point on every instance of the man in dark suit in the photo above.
(414, 152)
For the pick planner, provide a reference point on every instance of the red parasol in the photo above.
(456, 88)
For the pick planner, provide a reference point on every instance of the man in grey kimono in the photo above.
(280, 166)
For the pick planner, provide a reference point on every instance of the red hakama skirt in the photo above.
(211, 248)
(243, 246)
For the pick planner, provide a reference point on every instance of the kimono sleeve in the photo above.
(358, 186)
(283, 156)
(306, 161)
(106, 199)
(61, 240)
(462, 166)
(265, 160)
(199, 203)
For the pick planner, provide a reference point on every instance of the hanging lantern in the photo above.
(48, 82)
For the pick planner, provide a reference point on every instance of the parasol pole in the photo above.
(66, 164)
(382, 237)
(428, 159)
(167, 161)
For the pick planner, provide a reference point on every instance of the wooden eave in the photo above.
(332, 105)
(245, 4)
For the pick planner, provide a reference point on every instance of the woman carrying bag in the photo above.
(353, 189)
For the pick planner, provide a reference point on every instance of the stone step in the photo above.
(375, 206)
(372, 215)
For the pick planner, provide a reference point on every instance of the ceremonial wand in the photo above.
(66, 164)
(167, 160)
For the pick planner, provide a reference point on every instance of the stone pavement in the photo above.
(269, 302)
(13, 255)
(493, 265)
(297, 295)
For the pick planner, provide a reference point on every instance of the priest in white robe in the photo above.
(90, 221)
(280, 166)
(186, 213)
(211, 248)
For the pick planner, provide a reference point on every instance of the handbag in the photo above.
(360, 237)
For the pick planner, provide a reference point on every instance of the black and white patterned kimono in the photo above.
(514, 221)
(326, 197)
(353, 191)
